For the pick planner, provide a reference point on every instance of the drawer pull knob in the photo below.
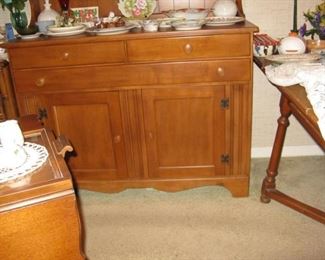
(150, 135)
(66, 55)
(40, 82)
(221, 71)
(117, 139)
(188, 48)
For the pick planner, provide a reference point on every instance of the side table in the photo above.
(294, 102)
(39, 215)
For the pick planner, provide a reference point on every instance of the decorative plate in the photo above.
(221, 21)
(137, 9)
(36, 156)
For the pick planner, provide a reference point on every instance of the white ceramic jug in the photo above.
(292, 45)
(225, 8)
(12, 154)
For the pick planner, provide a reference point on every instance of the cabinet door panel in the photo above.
(92, 122)
(185, 131)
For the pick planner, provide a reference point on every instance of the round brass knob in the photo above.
(66, 55)
(188, 48)
(40, 82)
(221, 71)
(117, 139)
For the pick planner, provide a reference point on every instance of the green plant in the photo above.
(13, 5)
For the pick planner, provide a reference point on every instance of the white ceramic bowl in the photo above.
(264, 50)
(189, 14)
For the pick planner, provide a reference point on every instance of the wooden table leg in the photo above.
(272, 170)
(269, 190)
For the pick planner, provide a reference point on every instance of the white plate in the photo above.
(111, 31)
(55, 29)
(68, 33)
(29, 37)
(221, 21)
(187, 25)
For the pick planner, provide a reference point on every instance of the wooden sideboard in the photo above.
(168, 110)
(38, 214)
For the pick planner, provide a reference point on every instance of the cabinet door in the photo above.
(92, 122)
(186, 131)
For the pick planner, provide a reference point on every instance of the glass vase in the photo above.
(19, 20)
(20, 23)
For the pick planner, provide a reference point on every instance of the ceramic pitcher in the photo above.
(225, 8)
(12, 154)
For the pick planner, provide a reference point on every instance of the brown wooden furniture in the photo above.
(168, 110)
(8, 106)
(39, 216)
(293, 101)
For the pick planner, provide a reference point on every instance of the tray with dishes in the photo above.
(289, 58)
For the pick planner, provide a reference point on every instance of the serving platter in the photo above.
(288, 58)
(222, 21)
(111, 30)
(55, 29)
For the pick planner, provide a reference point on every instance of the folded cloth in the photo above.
(309, 75)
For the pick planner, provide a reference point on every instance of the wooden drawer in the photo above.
(132, 75)
(65, 55)
(185, 48)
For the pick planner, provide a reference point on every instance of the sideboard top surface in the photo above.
(245, 27)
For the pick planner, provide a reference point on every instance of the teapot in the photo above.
(225, 8)
(12, 153)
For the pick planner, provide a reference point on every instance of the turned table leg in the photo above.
(272, 170)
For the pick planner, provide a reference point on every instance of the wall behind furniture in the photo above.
(275, 17)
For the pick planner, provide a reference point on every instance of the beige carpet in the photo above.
(207, 223)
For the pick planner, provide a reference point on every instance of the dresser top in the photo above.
(244, 27)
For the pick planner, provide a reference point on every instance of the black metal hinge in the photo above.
(42, 113)
(225, 158)
(224, 103)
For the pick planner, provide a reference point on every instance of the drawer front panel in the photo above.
(189, 48)
(62, 55)
(132, 75)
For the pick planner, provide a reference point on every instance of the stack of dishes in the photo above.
(53, 30)
(188, 19)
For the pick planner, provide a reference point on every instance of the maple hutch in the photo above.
(167, 110)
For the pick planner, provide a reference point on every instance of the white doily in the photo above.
(311, 76)
(36, 156)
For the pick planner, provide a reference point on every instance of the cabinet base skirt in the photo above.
(238, 186)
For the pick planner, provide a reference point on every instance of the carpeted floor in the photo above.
(207, 223)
